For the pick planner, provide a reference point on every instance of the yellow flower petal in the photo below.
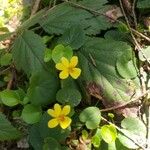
(65, 62)
(73, 61)
(51, 112)
(53, 123)
(57, 110)
(66, 110)
(75, 73)
(60, 66)
(64, 74)
(65, 123)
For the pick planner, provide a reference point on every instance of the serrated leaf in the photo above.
(7, 131)
(33, 20)
(108, 133)
(97, 61)
(69, 96)
(74, 36)
(117, 35)
(31, 114)
(57, 22)
(28, 54)
(43, 87)
(10, 97)
(91, 116)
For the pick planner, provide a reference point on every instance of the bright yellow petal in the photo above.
(65, 123)
(57, 110)
(73, 61)
(51, 112)
(65, 62)
(66, 110)
(75, 73)
(53, 123)
(64, 74)
(60, 66)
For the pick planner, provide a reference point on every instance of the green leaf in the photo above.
(35, 138)
(97, 60)
(57, 22)
(146, 52)
(112, 146)
(126, 66)
(117, 35)
(126, 141)
(6, 59)
(28, 54)
(74, 36)
(31, 114)
(119, 145)
(143, 4)
(43, 87)
(135, 125)
(47, 39)
(7, 131)
(108, 133)
(51, 143)
(91, 116)
(96, 139)
(135, 130)
(33, 20)
(10, 97)
(85, 135)
(60, 51)
(47, 55)
(69, 96)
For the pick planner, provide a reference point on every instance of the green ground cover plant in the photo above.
(75, 75)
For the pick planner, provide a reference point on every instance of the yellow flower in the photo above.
(59, 116)
(68, 68)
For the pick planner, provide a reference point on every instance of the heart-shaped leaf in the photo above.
(108, 133)
(91, 116)
(31, 114)
(69, 96)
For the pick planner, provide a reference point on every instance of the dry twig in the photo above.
(127, 103)
(35, 7)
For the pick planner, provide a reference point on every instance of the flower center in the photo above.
(61, 118)
(70, 70)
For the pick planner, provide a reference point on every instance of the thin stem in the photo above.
(35, 7)
(140, 34)
(132, 35)
(133, 12)
(127, 103)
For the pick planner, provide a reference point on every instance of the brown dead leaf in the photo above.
(114, 13)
